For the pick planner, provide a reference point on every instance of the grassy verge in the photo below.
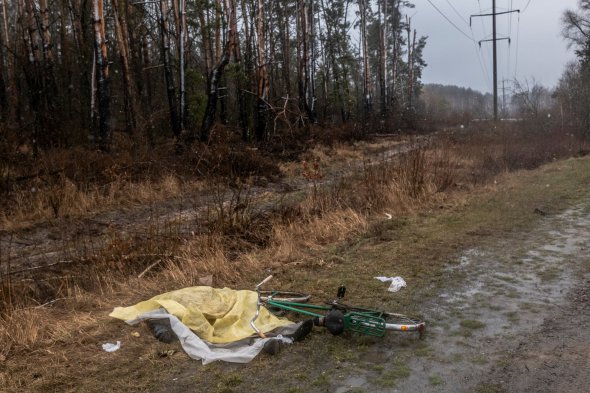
(337, 233)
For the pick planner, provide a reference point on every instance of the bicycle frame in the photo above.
(368, 322)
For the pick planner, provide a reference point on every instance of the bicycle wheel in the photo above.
(403, 323)
(285, 296)
(393, 321)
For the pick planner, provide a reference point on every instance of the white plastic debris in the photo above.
(389, 216)
(397, 283)
(109, 347)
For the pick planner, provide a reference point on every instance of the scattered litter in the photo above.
(389, 216)
(135, 334)
(397, 283)
(109, 347)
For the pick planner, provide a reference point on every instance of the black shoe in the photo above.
(162, 330)
(302, 331)
(272, 346)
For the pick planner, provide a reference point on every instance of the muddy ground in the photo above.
(59, 241)
(506, 301)
(512, 317)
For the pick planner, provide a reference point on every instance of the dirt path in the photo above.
(73, 239)
(513, 318)
(512, 315)
(556, 357)
(80, 238)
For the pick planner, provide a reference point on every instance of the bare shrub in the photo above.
(240, 231)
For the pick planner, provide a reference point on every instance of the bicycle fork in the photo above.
(258, 304)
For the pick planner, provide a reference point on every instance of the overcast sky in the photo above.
(536, 49)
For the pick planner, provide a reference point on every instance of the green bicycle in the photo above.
(336, 316)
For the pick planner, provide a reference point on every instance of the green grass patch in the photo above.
(321, 380)
(487, 388)
(471, 324)
(229, 382)
(435, 380)
(549, 274)
(513, 317)
(399, 371)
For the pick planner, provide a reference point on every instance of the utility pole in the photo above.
(503, 97)
(494, 40)
(504, 110)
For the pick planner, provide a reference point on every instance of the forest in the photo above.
(148, 146)
(79, 72)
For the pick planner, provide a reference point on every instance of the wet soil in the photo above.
(71, 239)
(556, 357)
(511, 316)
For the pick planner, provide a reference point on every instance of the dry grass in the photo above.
(66, 199)
(235, 242)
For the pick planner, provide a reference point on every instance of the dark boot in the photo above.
(162, 330)
(272, 346)
(302, 331)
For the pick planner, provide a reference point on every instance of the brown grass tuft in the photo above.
(235, 232)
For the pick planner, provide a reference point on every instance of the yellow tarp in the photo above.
(215, 315)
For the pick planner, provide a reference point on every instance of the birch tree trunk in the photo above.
(304, 36)
(382, 10)
(245, 100)
(122, 45)
(102, 76)
(168, 75)
(286, 46)
(32, 70)
(367, 99)
(214, 78)
(3, 90)
(261, 75)
(10, 87)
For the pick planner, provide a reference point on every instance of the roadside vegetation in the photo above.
(246, 226)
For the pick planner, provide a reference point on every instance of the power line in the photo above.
(517, 39)
(526, 6)
(487, 50)
(482, 65)
(509, 42)
(494, 40)
(510, 23)
(450, 21)
(457, 12)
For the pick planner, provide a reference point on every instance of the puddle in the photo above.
(501, 299)
(351, 383)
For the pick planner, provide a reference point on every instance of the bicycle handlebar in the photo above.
(263, 281)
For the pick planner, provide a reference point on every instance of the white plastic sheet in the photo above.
(397, 283)
(110, 347)
(241, 351)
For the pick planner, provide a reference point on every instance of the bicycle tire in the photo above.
(285, 296)
(393, 321)
(403, 323)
